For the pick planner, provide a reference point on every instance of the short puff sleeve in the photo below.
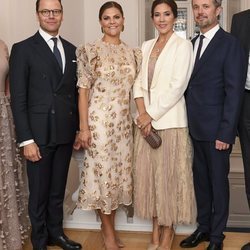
(86, 63)
(138, 60)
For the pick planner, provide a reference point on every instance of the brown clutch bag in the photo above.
(153, 139)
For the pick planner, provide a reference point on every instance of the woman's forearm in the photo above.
(83, 109)
(140, 105)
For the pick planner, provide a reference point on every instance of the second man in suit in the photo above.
(44, 104)
(241, 29)
(213, 100)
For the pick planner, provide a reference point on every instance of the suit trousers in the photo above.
(244, 134)
(210, 172)
(47, 181)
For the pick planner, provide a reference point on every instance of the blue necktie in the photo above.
(57, 52)
(197, 58)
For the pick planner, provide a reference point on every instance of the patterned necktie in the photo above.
(199, 49)
(57, 52)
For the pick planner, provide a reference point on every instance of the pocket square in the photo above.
(74, 61)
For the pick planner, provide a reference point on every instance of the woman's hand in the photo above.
(143, 120)
(146, 131)
(84, 137)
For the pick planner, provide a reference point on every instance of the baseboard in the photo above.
(88, 220)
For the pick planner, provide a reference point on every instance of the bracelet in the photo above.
(83, 130)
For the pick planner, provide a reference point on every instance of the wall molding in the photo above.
(90, 221)
(245, 4)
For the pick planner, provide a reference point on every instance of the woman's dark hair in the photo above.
(171, 3)
(38, 2)
(108, 5)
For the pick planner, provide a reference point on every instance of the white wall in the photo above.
(245, 4)
(18, 20)
(80, 25)
(92, 29)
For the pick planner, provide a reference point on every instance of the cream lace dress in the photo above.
(163, 179)
(109, 72)
(14, 223)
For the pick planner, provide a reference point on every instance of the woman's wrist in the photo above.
(142, 112)
(84, 130)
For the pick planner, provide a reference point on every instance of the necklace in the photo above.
(157, 50)
(159, 45)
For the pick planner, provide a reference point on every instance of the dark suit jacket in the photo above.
(241, 28)
(215, 90)
(43, 99)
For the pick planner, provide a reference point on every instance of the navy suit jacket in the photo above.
(43, 99)
(241, 28)
(215, 90)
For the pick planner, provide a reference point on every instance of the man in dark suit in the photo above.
(241, 29)
(213, 101)
(44, 104)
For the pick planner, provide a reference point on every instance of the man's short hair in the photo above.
(217, 3)
(38, 2)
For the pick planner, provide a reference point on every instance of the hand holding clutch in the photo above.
(153, 139)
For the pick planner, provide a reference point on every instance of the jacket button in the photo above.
(44, 76)
(70, 112)
(69, 96)
(55, 94)
(53, 111)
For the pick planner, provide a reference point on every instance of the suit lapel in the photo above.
(160, 63)
(46, 53)
(162, 59)
(67, 61)
(244, 29)
(247, 34)
(147, 53)
(48, 57)
(194, 40)
(214, 43)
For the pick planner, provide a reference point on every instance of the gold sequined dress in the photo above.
(108, 71)
(14, 223)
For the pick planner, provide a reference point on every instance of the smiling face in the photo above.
(112, 22)
(51, 23)
(205, 14)
(163, 19)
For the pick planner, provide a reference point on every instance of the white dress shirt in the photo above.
(247, 86)
(47, 37)
(208, 37)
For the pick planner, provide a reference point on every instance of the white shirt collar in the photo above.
(47, 37)
(210, 34)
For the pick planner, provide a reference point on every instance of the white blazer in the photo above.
(171, 75)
